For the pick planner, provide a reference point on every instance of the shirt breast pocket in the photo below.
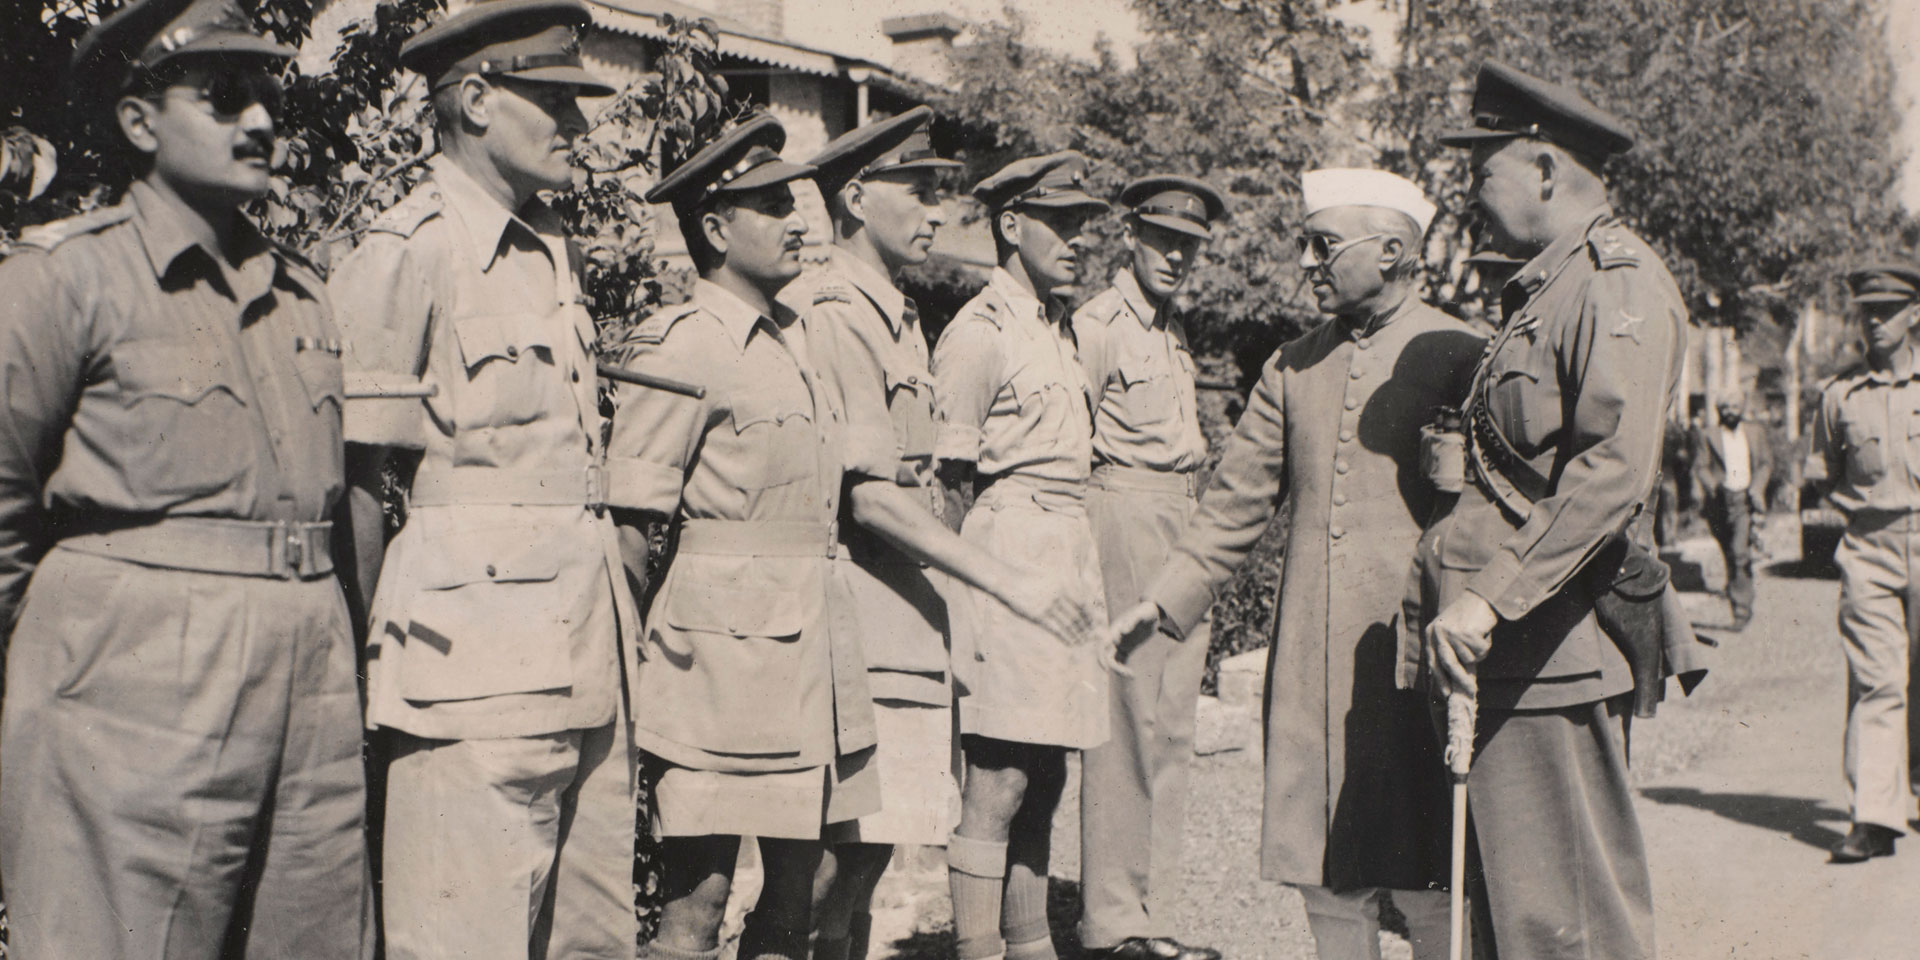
(509, 369)
(1512, 388)
(1149, 392)
(1866, 461)
(1043, 402)
(182, 405)
(777, 436)
(321, 375)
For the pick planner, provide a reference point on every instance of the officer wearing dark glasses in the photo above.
(182, 722)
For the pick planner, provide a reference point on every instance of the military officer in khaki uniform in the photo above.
(1565, 419)
(753, 711)
(1147, 455)
(1863, 431)
(501, 604)
(181, 730)
(882, 184)
(1014, 435)
(1356, 806)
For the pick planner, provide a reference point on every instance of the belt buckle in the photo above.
(296, 551)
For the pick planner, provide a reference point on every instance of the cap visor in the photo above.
(1176, 224)
(1885, 297)
(589, 84)
(928, 163)
(232, 44)
(768, 174)
(1073, 198)
(1472, 135)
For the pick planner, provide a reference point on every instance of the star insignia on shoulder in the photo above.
(1629, 326)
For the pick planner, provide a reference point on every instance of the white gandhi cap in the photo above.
(1355, 187)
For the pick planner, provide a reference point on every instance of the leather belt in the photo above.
(1116, 477)
(494, 486)
(757, 538)
(249, 548)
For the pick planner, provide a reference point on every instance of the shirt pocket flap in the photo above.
(503, 336)
(490, 557)
(762, 406)
(1137, 370)
(743, 596)
(910, 401)
(175, 370)
(322, 375)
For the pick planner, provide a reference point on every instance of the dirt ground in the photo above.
(1740, 797)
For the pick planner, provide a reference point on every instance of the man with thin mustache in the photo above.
(181, 730)
(882, 183)
(753, 710)
(495, 661)
(1147, 452)
(1014, 437)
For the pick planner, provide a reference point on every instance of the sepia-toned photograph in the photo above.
(959, 479)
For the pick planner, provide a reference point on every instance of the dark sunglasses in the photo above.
(230, 92)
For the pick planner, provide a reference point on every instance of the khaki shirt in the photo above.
(739, 669)
(1868, 431)
(502, 600)
(145, 377)
(1141, 370)
(867, 338)
(1013, 399)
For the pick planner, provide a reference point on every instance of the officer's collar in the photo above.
(736, 316)
(1135, 298)
(1019, 300)
(1536, 272)
(165, 237)
(880, 290)
(485, 219)
(1900, 370)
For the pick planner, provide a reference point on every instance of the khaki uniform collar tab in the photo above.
(1018, 299)
(880, 290)
(1136, 298)
(736, 316)
(483, 220)
(1540, 269)
(164, 237)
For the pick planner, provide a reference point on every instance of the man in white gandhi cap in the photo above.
(1356, 793)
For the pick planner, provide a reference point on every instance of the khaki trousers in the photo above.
(182, 767)
(1346, 925)
(517, 847)
(1879, 630)
(1133, 790)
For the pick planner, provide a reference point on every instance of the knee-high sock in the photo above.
(1023, 914)
(977, 873)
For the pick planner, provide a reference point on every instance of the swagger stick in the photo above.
(1460, 722)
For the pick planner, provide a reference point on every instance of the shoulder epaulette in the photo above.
(416, 208)
(983, 308)
(653, 330)
(1613, 247)
(1851, 373)
(46, 236)
(833, 290)
(1105, 307)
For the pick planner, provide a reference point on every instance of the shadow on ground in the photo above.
(1798, 817)
(1798, 569)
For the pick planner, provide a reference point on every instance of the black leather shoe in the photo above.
(1864, 842)
(1167, 948)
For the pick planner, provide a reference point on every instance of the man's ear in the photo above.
(713, 226)
(853, 199)
(1547, 164)
(1010, 227)
(135, 116)
(476, 101)
(1392, 249)
(1128, 233)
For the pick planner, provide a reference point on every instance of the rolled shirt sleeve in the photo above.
(655, 432)
(1239, 502)
(966, 365)
(1618, 362)
(43, 356)
(383, 303)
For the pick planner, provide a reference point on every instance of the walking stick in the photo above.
(1460, 720)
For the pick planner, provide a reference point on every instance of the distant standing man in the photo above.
(752, 709)
(1356, 802)
(1862, 431)
(181, 731)
(1565, 419)
(494, 659)
(1014, 436)
(1147, 455)
(1734, 463)
(882, 184)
